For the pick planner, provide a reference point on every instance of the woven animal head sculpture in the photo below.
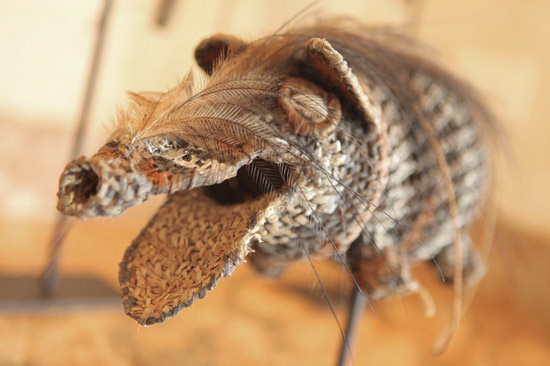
(309, 144)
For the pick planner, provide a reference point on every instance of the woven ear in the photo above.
(213, 49)
(333, 72)
(310, 110)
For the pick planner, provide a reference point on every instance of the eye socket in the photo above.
(310, 110)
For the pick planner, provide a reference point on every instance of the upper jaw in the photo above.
(118, 177)
(108, 183)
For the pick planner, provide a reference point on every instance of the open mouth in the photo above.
(252, 181)
(196, 238)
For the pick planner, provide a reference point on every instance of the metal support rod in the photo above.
(357, 304)
(49, 276)
(164, 12)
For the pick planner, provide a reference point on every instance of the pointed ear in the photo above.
(213, 49)
(333, 73)
(310, 110)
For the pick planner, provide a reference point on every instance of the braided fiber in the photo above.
(333, 139)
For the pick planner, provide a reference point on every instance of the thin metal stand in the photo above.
(357, 305)
(164, 12)
(50, 275)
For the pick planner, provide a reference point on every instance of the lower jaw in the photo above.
(184, 251)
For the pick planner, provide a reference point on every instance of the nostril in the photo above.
(79, 183)
(101, 185)
(85, 185)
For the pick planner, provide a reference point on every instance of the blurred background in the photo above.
(502, 48)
